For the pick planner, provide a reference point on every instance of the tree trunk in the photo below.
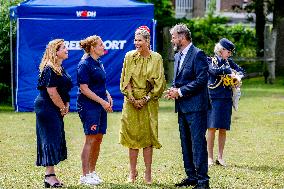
(259, 26)
(269, 54)
(168, 55)
(278, 25)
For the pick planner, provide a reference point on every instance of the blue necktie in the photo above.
(179, 59)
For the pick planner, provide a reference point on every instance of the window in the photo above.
(184, 8)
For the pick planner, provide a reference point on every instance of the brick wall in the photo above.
(228, 5)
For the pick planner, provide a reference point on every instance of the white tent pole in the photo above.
(11, 58)
(11, 61)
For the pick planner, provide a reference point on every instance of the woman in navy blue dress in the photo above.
(51, 105)
(93, 103)
(220, 93)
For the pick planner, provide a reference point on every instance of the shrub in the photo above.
(5, 76)
(207, 31)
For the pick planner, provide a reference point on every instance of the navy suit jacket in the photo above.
(192, 80)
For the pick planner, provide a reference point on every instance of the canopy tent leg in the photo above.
(12, 62)
(154, 34)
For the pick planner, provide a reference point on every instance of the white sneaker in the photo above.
(88, 180)
(96, 177)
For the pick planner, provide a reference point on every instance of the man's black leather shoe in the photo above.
(186, 182)
(202, 186)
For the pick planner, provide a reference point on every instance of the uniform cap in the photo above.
(227, 44)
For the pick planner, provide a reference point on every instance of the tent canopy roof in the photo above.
(83, 9)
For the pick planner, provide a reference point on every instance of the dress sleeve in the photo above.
(82, 74)
(158, 81)
(49, 78)
(125, 76)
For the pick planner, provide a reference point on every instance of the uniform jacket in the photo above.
(192, 80)
(215, 71)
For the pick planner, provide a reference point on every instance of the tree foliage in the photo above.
(5, 77)
(163, 8)
(207, 31)
(261, 8)
(164, 14)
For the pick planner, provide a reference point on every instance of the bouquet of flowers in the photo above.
(235, 81)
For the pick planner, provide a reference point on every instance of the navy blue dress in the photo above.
(219, 116)
(51, 143)
(91, 72)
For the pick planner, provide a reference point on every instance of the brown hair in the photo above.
(50, 58)
(88, 42)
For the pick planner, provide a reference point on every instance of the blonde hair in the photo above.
(145, 34)
(50, 58)
(218, 48)
(90, 41)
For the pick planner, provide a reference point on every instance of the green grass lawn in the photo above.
(254, 150)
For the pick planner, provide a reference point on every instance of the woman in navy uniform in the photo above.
(93, 103)
(51, 105)
(220, 93)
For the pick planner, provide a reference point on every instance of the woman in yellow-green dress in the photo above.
(142, 83)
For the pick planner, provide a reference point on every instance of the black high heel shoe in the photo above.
(55, 185)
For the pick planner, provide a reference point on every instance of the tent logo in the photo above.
(114, 44)
(86, 13)
(109, 44)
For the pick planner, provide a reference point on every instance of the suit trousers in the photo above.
(192, 127)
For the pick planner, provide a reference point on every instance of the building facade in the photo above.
(198, 8)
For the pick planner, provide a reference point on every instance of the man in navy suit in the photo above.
(189, 89)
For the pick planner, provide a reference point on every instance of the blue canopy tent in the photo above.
(39, 21)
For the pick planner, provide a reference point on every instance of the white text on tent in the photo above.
(114, 44)
(86, 13)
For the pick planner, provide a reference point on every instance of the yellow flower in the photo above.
(227, 81)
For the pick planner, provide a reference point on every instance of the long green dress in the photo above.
(139, 128)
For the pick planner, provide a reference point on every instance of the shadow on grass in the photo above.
(264, 168)
(120, 186)
(252, 93)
